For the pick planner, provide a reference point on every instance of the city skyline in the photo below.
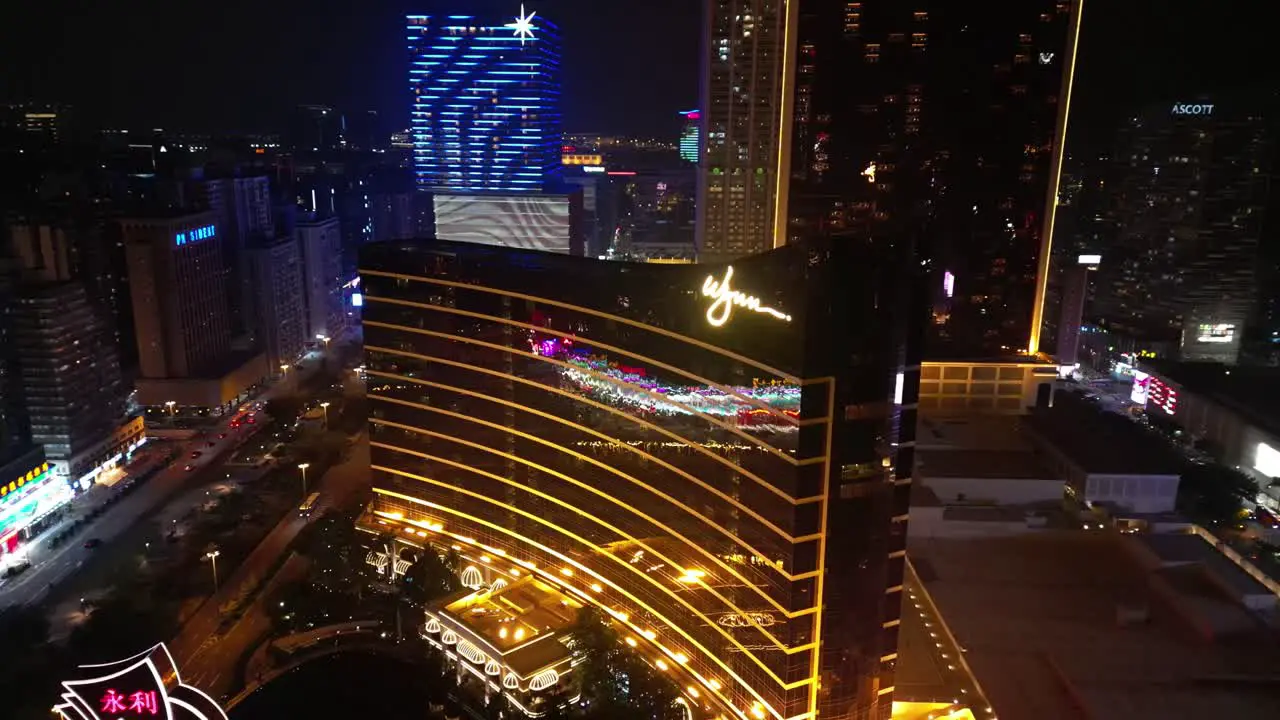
(143, 65)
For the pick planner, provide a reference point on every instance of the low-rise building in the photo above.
(510, 636)
(1105, 458)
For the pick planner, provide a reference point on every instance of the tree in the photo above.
(284, 410)
(319, 447)
(429, 577)
(614, 681)
(1214, 494)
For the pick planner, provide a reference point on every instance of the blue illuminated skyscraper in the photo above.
(691, 135)
(486, 113)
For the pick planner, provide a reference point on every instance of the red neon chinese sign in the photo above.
(140, 702)
(144, 687)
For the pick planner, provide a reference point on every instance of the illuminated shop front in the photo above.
(688, 448)
(27, 495)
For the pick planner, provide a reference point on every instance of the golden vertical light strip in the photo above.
(782, 182)
(815, 662)
(1059, 153)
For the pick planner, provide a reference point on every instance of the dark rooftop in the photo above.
(998, 464)
(1102, 442)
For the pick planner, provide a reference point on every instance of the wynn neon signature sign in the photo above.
(143, 686)
(724, 299)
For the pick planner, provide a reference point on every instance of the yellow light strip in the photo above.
(639, 603)
(1059, 153)
(588, 311)
(790, 614)
(786, 109)
(713, 686)
(670, 500)
(662, 588)
(595, 344)
(697, 447)
(585, 458)
(815, 666)
(613, 381)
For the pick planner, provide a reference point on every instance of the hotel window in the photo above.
(919, 16)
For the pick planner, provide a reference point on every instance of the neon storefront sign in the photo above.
(143, 686)
(1192, 109)
(724, 299)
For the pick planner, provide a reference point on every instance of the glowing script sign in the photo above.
(724, 299)
(143, 686)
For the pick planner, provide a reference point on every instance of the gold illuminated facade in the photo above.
(687, 447)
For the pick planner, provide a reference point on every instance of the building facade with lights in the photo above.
(687, 447)
(486, 101)
(1186, 195)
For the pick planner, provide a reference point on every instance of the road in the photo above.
(198, 649)
(50, 566)
(214, 671)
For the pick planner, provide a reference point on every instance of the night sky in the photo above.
(241, 65)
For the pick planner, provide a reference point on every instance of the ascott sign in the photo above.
(143, 686)
(1192, 109)
(724, 299)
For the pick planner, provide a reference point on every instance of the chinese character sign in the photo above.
(141, 687)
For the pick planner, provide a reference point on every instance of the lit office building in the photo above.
(72, 387)
(742, 192)
(178, 284)
(276, 278)
(1189, 188)
(691, 135)
(320, 246)
(686, 447)
(486, 96)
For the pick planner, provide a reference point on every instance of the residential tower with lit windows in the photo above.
(690, 448)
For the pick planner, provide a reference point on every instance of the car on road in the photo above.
(222, 436)
(195, 454)
(189, 468)
(211, 444)
(92, 543)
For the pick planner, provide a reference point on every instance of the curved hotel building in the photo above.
(718, 457)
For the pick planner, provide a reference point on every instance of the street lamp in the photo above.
(325, 407)
(303, 467)
(213, 563)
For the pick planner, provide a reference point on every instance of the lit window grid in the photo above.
(451, 77)
(751, 678)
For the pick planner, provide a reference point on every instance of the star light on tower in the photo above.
(523, 25)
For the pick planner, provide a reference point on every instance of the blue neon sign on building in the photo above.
(194, 236)
(486, 101)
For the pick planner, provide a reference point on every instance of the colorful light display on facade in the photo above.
(486, 95)
(635, 389)
(25, 499)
